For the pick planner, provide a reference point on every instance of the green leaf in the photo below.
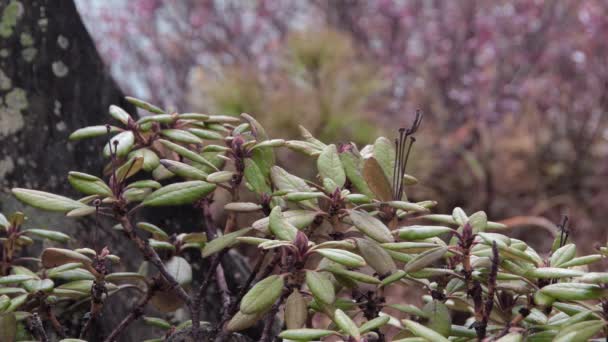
(305, 334)
(552, 272)
(438, 317)
(180, 269)
(156, 232)
(298, 218)
(144, 105)
(262, 295)
(184, 170)
(143, 184)
(384, 153)
(120, 114)
(563, 255)
(376, 257)
(48, 234)
(14, 279)
(150, 158)
(296, 310)
(222, 242)
(425, 259)
(221, 177)
(422, 232)
(280, 227)
(478, 221)
(92, 132)
(181, 136)
(241, 321)
(186, 153)
(579, 332)
(161, 245)
(36, 285)
(243, 207)
(580, 261)
(422, 331)
(374, 324)
(408, 206)
(371, 226)
(46, 201)
(573, 291)
(460, 217)
(330, 166)
(353, 168)
(357, 276)
(346, 324)
(179, 193)
(595, 278)
(125, 141)
(88, 184)
(342, 257)
(206, 134)
(283, 180)
(255, 177)
(157, 322)
(321, 287)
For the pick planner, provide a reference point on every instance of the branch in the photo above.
(135, 313)
(150, 254)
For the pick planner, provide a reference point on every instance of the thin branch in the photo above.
(135, 313)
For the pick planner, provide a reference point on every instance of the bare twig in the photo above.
(135, 313)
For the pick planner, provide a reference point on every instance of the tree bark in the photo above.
(52, 82)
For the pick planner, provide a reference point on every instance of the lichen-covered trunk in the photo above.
(52, 81)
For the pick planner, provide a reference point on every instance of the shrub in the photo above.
(330, 251)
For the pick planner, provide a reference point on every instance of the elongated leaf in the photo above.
(357, 276)
(298, 218)
(46, 201)
(305, 334)
(425, 259)
(242, 321)
(280, 227)
(53, 257)
(144, 105)
(186, 153)
(288, 182)
(47, 234)
(221, 177)
(438, 317)
(222, 242)
(296, 311)
(120, 114)
(263, 295)
(92, 132)
(353, 168)
(321, 287)
(14, 279)
(563, 255)
(330, 166)
(579, 332)
(255, 177)
(181, 136)
(150, 158)
(573, 291)
(552, 272)
(376, 257)
(343, 257)
(184, 170)
(206, 134)
(422, 232)
(371, 226)
(345, 323)
(121, 142)
(374, 324)
(179, 193)
(422, 331)
(376, 179)
(243, 206)
(89, 185)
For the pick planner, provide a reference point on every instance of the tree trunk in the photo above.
(52, 81)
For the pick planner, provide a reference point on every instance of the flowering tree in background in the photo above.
(514, 91)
